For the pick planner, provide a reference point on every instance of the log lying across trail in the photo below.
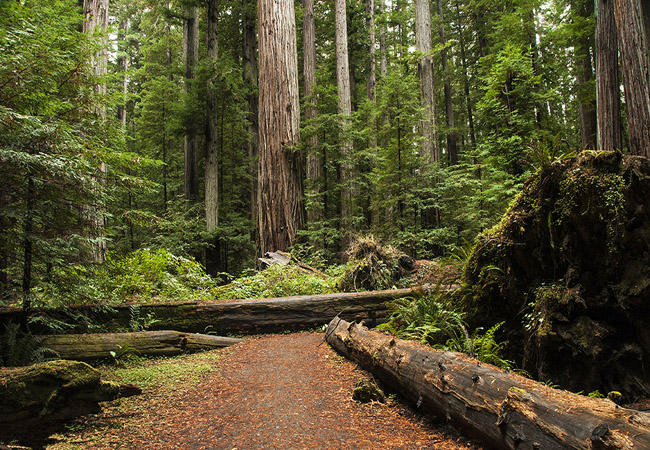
(87, 347)
(239, 317)
(504, 410)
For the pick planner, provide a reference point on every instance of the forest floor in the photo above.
(271, 392)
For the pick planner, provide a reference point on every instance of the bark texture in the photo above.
(345, 110)
(280, 208)
(212, 122)
(190, 145)
(88, 347)
(585, 77)
(424, 46)
(314, 158)
(634, 49)
(504, 410)
(270, 315)
(608, 97)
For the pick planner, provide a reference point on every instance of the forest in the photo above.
(470, 174)
(138, 127)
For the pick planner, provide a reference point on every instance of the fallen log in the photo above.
(87, 347)
(36, 400)
(504, 410)
(241, 317)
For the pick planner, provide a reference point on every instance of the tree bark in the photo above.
(250, 74)
(314, 158)
(345, 110)
(635, 64)
(502, 409)
(280, 208)
(88, 347)
(96, 16)
(608, 98)
(211, 136)
(371, 78)
(452, 136)
(584, 9)
(271, 315)
(383, 48)
(191, 54)
(424, 46)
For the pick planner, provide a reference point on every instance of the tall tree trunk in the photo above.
(96, 16)
(452, 136)
(608, 99)
(191, 54)
(211, 136)
(635, 64)
(424, 46)
(249, 54)
(123, 64)
(584, 9)
(280, 208)
(314, 159)
(383, 50)
(345, 110)
(463, 58)
(371, 78)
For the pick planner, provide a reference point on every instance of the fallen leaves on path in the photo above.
(272, 392)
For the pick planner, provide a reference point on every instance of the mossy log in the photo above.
(241, 317)
(87, 347)
(52, 388)
(504, 410)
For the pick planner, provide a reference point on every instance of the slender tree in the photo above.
(345, 110)
(211, 135)
(634, 47)
(424, 46)
(250, 74)
(191, 54)
(280, 209)
(452, 136)
(582, 12)
(314, 158)
(608, 85)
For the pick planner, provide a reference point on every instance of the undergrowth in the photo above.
(436, 320)
(276, 281)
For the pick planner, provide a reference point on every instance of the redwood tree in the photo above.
(634, 49)
(424, 46)
(280, 208)
(607, 81)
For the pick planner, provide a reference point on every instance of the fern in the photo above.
(18, 348)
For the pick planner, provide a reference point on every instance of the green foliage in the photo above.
(436, 320)
(18, 348)
(146, 275)
(276, 281)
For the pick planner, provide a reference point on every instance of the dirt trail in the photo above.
(281, 392)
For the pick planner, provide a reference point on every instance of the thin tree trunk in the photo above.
(314, 159)
(468, 100)
(345, 110)
(280, 208)
(191, 53)
(211, 136)
(424, 46)
(123, 64)
(452, 136)
(608, 99)
(635, 64)
(383, 50)
(371, 78)
(28, 229)
(250, 73)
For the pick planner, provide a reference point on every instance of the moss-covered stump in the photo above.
(56, 389)
(568, 269)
